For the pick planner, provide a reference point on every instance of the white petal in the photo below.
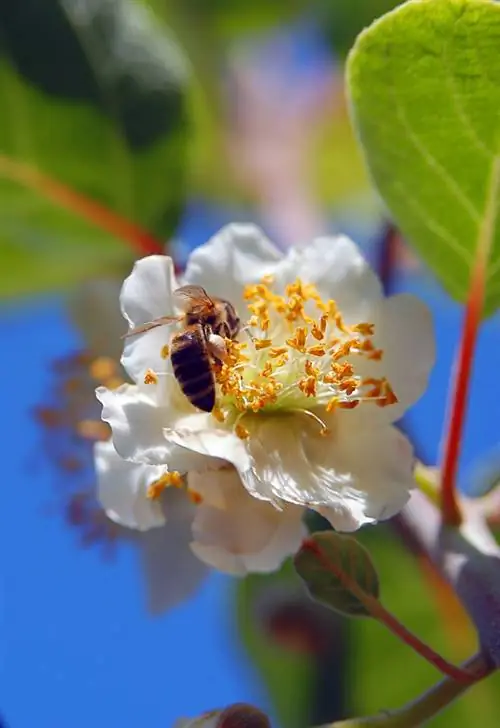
(363, 475)
(137, 424)
(171, 571)
(147, 295)
(199, 434)
(241, 534)
(339, 270)
(237, 255)
(122, 488)
(405, 331)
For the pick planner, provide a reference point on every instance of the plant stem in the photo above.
(86, 208)
(449, 506)
(378, 611)
(428, 705)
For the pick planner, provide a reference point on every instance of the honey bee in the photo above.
(200, 345)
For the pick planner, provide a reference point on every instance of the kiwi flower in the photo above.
(306, 399)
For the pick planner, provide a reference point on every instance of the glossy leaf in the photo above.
(424, 84)
(337, 571)
(93, 95)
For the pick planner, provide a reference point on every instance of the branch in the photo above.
(468, 558)
(427, 706)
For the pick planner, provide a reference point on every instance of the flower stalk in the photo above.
(428, 705)
(454, 431)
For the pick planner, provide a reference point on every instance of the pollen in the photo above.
(218, 414)
(93, 430)
(317, 350)
(194, 496)
(302, 356)
(262, 343)
(165, 351)
(102, 368)
(307, 385)
(172, 479)
(241, 432)
(150, 377)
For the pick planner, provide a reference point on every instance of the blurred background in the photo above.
(134, 126)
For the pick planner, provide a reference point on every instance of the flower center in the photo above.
(301, 356)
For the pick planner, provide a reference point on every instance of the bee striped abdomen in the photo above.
(192, 368)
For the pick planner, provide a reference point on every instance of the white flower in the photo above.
(306, 399)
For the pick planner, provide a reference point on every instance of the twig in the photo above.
(428, 705)
(468, 558)
(378, 611)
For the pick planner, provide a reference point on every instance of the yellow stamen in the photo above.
(150, 377)
(351, 404)
(307, 385)
(93, 430)
(316, 350)
(218, 414)
(262, 343)
(241, 432)
(332, 404)
(103, 368)
(364, 329)
(277, 351)
(170, 479)
(165, 351)
(284, 372)
(194, 496)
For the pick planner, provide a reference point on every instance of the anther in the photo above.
(172, 478)
(165, 351)
(218, 414)
(241, 432)
(194, 496)
(307, 385)
(262, 343)
(350, 404)
(316, 350)
(150, 377)
(277, 351)
(102, 368)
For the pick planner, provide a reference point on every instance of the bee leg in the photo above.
(216, 346)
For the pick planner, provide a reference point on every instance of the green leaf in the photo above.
(338, 572)
(93, 95)
(424, 84)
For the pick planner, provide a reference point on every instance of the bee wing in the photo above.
(152, 325)
(193, 298)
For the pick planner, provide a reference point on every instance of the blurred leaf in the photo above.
(228, 18)
(334, 568)
(93, 96)
(287, 676)
(344, 19)
(425, 87)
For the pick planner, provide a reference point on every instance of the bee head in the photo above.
(231, 325)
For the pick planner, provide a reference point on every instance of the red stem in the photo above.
(460, 393)
(89, 209)
(378, 611)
